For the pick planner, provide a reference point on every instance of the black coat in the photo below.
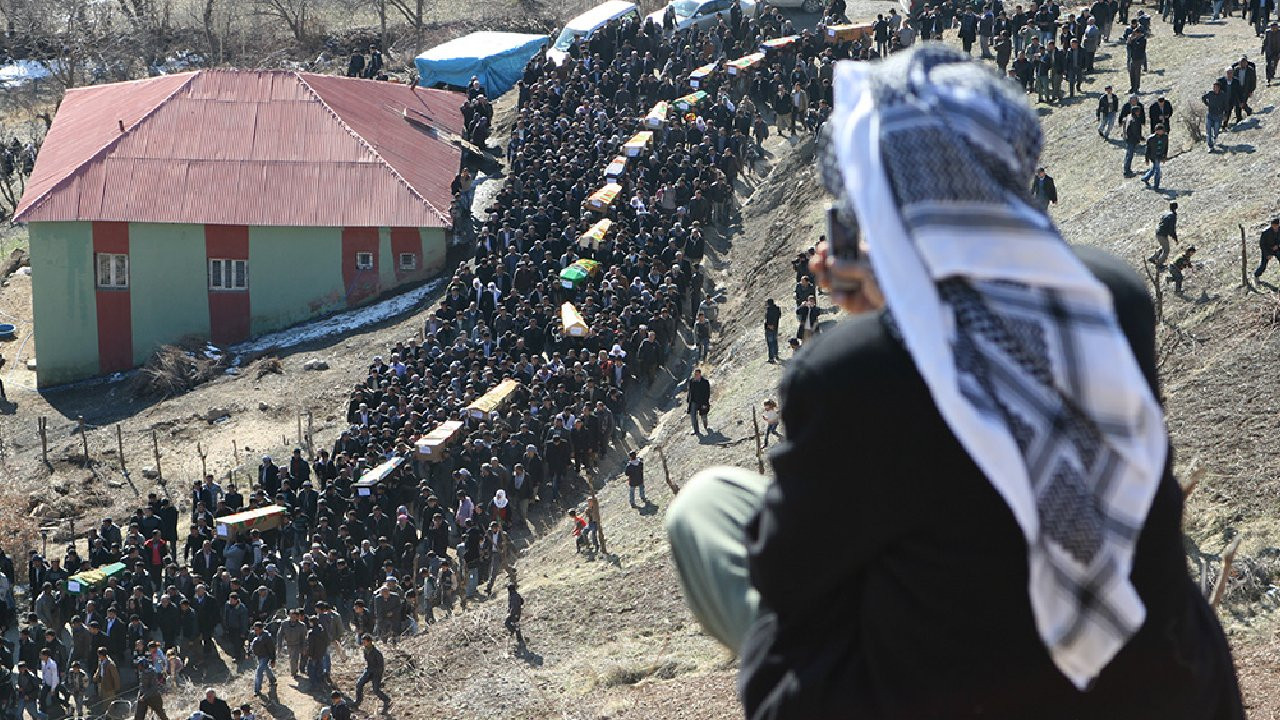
(912, 603)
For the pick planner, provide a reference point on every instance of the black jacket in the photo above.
(1269, 243)
(699, 392)
(913, 603)
(1047, 191)
(1107, 104)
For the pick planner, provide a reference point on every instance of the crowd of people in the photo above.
(351, 565)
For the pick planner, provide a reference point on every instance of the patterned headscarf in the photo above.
(1017, 341)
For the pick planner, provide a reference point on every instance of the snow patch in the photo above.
(21, 72)
(341, 323)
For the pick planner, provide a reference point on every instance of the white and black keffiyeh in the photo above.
(1017, 341)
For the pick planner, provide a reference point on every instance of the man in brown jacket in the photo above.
(106, 677)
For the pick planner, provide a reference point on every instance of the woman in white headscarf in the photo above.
(1009, 544)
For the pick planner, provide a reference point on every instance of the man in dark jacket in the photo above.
(1217, 104)
(1043, 190)
(1166, 233)
(1108, 106)
(1132, 116)
(1268, 246)
(374, 666)
(263, 648)
(1271, 50)
(698, 400)
(772, 316)
(1160, 113)
(1157, 152)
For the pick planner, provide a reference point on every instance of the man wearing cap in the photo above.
(262, 604)
(1268, 246)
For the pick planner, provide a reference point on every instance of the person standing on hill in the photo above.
(1131, 120)
(1108, 106)
(1217, 103)
(374, 668)
(1157, 152)
(1268, 246)
(1043, 189)
(1160, 113)
(1136, 45)
(698, 399)
(355, 66)
(1166, 232)
(772, 316)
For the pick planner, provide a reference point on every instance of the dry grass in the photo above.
(176, 369)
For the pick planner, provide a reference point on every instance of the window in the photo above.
(113, 270)
(408, 261)
(228, 274)
(364, 261)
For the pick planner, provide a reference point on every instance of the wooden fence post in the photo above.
(84, 441)
(299, 428)
(43, 425)
(666, 473)
(1244, 259)
(155, 450)
(204, 470)
(311, 450)
(1228, 558)
(120, 446)
(755, 425)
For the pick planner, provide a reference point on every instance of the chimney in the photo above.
(121, 124)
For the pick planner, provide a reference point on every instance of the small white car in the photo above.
(702, 14)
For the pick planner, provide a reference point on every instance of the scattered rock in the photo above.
(115, 484)
(150, 473)
(263, 406)
(315, 364)
(39, 510)
(62, 487)
(214, 414)
(31, 364)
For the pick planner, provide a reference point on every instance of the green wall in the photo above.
(295, 273)
(169, 285)
(386, 261)
(64, 301)
(433, 249)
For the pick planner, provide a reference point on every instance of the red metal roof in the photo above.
(249, 147)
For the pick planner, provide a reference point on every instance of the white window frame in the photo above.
(117, 276)
(223, 275)
(413, 261)
(364, 261)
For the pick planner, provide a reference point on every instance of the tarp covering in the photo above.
(496, 58)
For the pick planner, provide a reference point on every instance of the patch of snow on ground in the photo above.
(341, 323)
(20, 72)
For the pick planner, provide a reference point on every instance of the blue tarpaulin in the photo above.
(496, 58)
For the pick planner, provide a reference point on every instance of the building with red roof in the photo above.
(227, 203)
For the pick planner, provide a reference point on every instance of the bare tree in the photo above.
(294, 14)
(415, 14)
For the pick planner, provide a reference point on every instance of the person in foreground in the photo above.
(1009, 540)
